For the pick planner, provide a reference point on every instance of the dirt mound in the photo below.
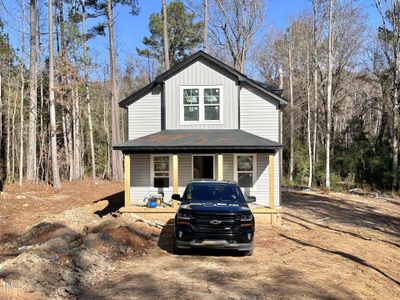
(62, 255)
(44, 231)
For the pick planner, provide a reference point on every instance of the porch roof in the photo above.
(199, 141)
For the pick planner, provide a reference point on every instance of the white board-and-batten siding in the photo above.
(200, 74)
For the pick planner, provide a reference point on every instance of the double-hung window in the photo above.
(212, 104)
(201, 104)
(191, 107)
(245, 169)
(161, 171)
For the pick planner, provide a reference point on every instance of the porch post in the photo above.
(220, 167)
(175, 183)
(127, 179)
(271, 180)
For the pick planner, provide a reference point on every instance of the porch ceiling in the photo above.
(199, 141)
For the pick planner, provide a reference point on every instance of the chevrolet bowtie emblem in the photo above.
(215, 222)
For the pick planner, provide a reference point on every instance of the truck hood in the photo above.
(214, 208)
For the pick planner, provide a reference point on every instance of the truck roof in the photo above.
(205, 180)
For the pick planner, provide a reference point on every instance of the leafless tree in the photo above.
(31, 151)
(53, 128)
(22, 95)
(291, 108)
(329, 95)
(233, 26)
(117, 170)
(89, 109)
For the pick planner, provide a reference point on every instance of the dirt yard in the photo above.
(69, 244)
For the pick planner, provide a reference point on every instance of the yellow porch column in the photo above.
(127, 180)
(271, 180)
(220, 167)
(175, 183)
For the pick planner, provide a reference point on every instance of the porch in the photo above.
(164, 162)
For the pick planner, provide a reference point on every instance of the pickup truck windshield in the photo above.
(213, 192)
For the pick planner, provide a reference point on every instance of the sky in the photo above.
(130, 30)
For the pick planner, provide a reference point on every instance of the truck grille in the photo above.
(215, 223)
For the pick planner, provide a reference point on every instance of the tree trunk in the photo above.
(65, 140)
(8, 167)
(42, 132)
(165, 35)
(89, 110)
(1, 111)
(117, 170)
(13, 137)
(315, 82)
(205, 40)
(107, 134)
(69, 145)
(395, 135)
(280, 71)
(310, 172)
(291, 159)
(396, 87)
(21, 139)
(76, 134)
(31, 151)
(53, 129)
(329, 96)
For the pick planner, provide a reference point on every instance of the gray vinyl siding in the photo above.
(140, 178)
(260, 116)
(144, 115)
(142, 183)
(200, 74)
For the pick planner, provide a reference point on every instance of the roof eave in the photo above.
(196, 149)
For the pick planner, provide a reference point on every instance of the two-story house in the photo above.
(203, 119)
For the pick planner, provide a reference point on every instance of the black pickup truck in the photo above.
(214, 214)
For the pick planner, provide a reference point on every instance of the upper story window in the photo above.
(201, 104)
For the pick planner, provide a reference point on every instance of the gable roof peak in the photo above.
(241, 78)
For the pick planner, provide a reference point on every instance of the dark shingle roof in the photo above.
(261, 87)
(216, 140)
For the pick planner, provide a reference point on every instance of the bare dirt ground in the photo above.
(69, 244)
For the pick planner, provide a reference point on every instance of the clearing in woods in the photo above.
(66, 244)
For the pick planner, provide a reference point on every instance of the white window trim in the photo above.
(213, 155)
(152, 170)
(201, 104)
(235, 171)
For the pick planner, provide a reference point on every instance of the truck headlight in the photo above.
(246, 218)
(183, 215)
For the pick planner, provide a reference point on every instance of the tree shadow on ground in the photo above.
(115, 202)
(349, 256)
(189, 281)
(354, 234)
(166, 242)
(343, 212)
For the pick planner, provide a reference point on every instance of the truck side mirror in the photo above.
(251, 199)
(176, 197)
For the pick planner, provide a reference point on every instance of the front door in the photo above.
(203, 166)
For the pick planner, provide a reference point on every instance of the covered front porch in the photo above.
(164, 162)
